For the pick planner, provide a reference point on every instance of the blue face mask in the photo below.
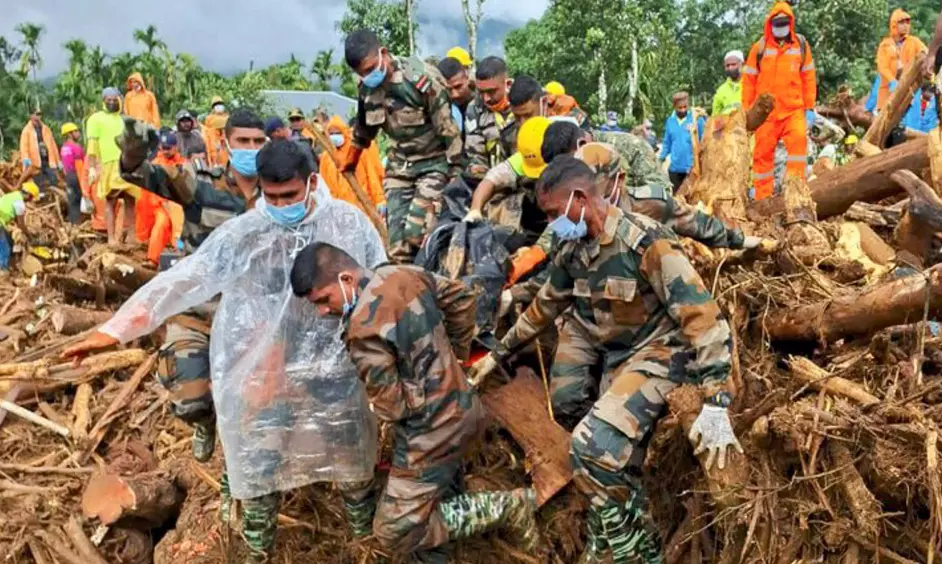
(243, 160)
(292, 214)
(336, 139)
(377, 76)
(565, 228)
(348, 305)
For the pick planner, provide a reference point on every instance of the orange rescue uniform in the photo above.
(158, 221)
(369, 171)
(786, 71)
(894, 55)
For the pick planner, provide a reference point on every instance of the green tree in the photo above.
(388, 18)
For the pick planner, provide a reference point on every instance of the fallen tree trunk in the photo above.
(125, 272)
(891, 115)
(922, 219)
(866, 179)
(820, 379)
(874, 308)
(855, 114)
(69, 320)
(152, 496)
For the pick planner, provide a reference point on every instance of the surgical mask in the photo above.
(243, 160)
(112, 106)
(733, 74)
(780, 32)
(336, 139)
(565, 228)
(348, 305)
(501, 106)
(612, 122)
(292, 214)
(219, 109)
(377, 76)
(681, 114)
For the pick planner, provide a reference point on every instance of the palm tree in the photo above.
(31, 59)
(323, 69)
(148, 36)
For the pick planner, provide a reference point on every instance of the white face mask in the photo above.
(780, 32)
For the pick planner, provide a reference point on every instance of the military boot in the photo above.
(204, 440)
(596, 545)
(467, 515)
(259, 522)
(360, 514)
(629, 537)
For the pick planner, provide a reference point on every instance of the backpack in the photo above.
(802, 42)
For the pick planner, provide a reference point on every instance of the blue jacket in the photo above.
(678, 142)
(916, 119)
(872, 98)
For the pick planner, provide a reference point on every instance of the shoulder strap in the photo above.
(802, 43)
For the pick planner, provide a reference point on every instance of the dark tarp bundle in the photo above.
(472, 253)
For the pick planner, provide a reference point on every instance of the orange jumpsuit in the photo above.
(893, 55)
(155, 216)
(786, 71)
(369, 171)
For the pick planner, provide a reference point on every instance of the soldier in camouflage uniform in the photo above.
(408, 100)
(488, 112)
(525, 97)
(641, 166)
(208, 198)
(407, 331)
(644, 309)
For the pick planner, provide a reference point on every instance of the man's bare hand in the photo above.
(95, 342)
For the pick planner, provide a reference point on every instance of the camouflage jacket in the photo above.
(483, 145)
(513, 192)
(640, 162)
(414, 111)
(631, 285)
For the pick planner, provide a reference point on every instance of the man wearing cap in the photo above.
(895, 53)
(12, 209)
(780, 64)
(728, 97)
(73, 166)
(38, 150)
(611, 123)
(559, 104)
(189, 141)
(460, 55)
(298, 125)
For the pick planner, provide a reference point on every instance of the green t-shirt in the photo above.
(7, 212)
(105, 127)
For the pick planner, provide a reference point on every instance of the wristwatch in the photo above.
(720, 399)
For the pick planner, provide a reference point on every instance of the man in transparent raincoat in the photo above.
(290, 408)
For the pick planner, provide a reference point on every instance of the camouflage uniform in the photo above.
(414, 111)
(639, 160)
(653, 325)
(406, 336)
(483, 145)
(513, 206)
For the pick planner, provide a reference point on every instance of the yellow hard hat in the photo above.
(554, 88)
(461, 55)
(68, 127)
(529, 143)
(215, 100)
(851, 139)
(31, 189)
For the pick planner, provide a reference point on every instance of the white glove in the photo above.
(506, 301)
(87, 206)
(714, 433)
(481, 369)
(474, 216)
(762, 245)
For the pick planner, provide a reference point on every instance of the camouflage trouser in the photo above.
(183, 369)
(573, 378)
(413, 206)
(608, 445)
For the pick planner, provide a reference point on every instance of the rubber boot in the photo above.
(360, 513)
(596, 545)
(628, 537)
(204, 440)
(259, 522)
(467, 515)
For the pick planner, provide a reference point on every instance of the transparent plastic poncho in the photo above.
(290, 407)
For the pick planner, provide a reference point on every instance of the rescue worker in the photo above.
(557, 103)
(291, 409)
(922, 114)
(682, 133)
(299, 126)
(104, 168)
(275, 128)
(780, 64)
(369, 172)
(526, 101)
(485, 117)
(416, 340)
(190, 141)
(728, 97)
(408, 100)
(896, 52)
(72, 157)
(647, 313)
(214, 134)
(159, 221)
(39, 152)
(13, 210)
(139, 102)
(460, 88)
(611, 123)
(461, 55)
(506, 195)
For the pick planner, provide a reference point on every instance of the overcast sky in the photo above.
(226, 34)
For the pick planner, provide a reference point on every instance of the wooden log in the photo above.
(520, 407)
(866, 179)
(125, 272)
(859, 313)
(69, 320)
(855, 114)
(935, 159)
(83, 290)
(81, 542)
(820, 379)
(80, 412)
(151, 496)
(864, 507)
(921, 221)
(891, 115)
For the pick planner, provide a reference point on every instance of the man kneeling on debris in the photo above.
(407, 330)
(648, 313)
(290, 408)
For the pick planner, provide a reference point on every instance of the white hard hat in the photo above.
(734, 55)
